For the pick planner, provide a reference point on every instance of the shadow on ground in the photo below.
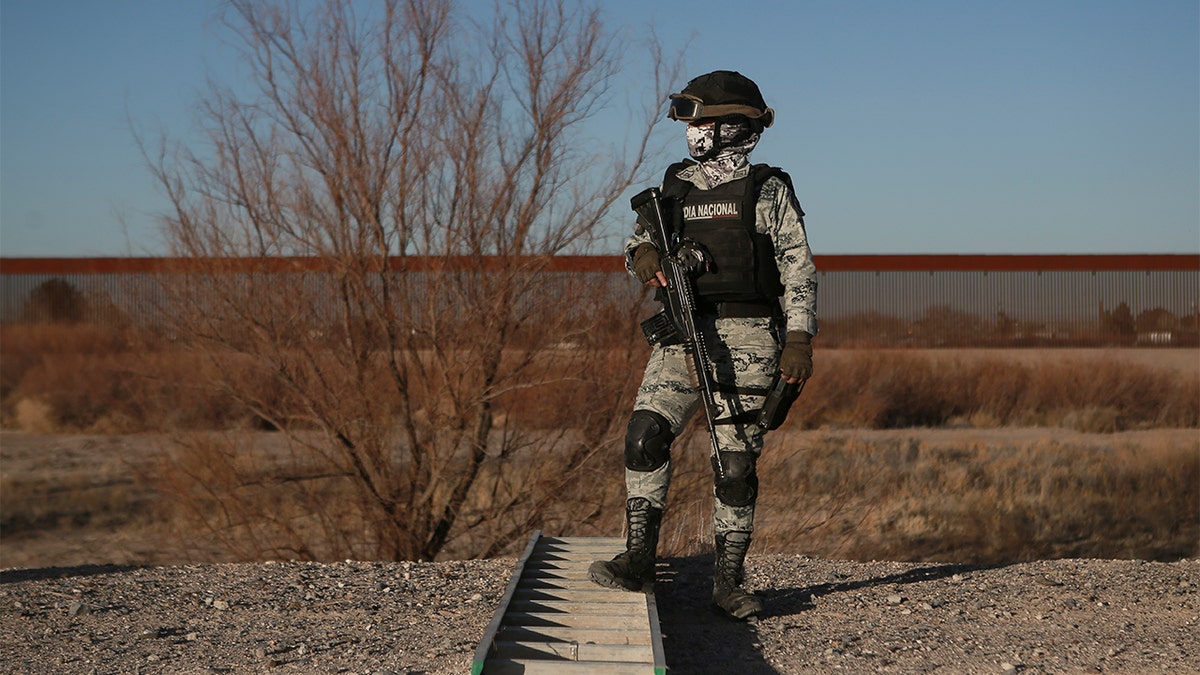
(697, 638)
(43, 573)
(787, 601)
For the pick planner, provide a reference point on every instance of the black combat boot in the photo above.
(635, 567)
(728, 574)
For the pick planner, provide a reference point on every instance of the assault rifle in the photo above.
(676, 323)
(682, 260)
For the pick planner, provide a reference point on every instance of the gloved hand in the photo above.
(646, 264)
(795, 362)
(694, 257)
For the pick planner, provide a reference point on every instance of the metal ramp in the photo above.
(553, 619)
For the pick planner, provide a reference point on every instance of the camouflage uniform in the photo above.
(744, 351)
(725, 115)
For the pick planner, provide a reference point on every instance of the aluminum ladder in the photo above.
(553, 619)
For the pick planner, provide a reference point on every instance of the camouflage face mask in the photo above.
(718, 166)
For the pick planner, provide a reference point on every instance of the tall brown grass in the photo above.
(898, 389)
(89, 378)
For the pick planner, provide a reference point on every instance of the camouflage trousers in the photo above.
(744, 355)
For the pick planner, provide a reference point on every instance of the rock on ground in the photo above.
(822, 616)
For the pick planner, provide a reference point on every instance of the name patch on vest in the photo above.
(712, 210)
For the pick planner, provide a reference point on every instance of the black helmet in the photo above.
(720, 94)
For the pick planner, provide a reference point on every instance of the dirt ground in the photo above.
(821, 616)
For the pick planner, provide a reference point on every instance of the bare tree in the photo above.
(439, 389)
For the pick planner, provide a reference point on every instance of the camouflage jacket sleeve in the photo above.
(639, 237)
(779, 216)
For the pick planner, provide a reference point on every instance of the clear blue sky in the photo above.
(956, 126)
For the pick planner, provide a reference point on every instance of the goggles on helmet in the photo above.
(688, 108)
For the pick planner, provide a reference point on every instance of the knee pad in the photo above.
(740, 485)
(647, 441)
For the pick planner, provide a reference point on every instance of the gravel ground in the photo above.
(821, 616)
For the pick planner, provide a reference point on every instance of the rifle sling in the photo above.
(741, 391)
(742, 418)
(745, 417)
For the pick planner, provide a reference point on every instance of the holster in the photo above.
(778, 402)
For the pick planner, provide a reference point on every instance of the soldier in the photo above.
(757, 302)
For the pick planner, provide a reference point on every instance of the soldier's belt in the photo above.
(739, 310)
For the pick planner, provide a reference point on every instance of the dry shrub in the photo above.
(78, 388)
(237, 499)
(909, 500)
(879, 390)
(130, 392)
(436, 279)
(243, 497)
(55, 364)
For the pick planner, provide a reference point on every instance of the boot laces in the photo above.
(638, 517)
(731, 557)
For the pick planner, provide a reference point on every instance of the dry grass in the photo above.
(960, 496)
(83, 378)
(921, 496)
(916, 498)
(77, 378)
(48, 488)
(1102, 392)
(994, 491)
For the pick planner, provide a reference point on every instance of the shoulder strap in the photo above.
(762, 172)
(673, 185)
(674, 190)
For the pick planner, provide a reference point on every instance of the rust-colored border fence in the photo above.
(917, 300)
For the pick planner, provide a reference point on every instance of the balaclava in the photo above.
(718, 162)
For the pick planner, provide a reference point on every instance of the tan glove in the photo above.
(796, 358)
(645, 262)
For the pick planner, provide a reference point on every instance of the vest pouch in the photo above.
(766, 272)
(731, 274)
(722, 220)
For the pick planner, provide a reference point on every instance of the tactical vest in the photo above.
(722, 220)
